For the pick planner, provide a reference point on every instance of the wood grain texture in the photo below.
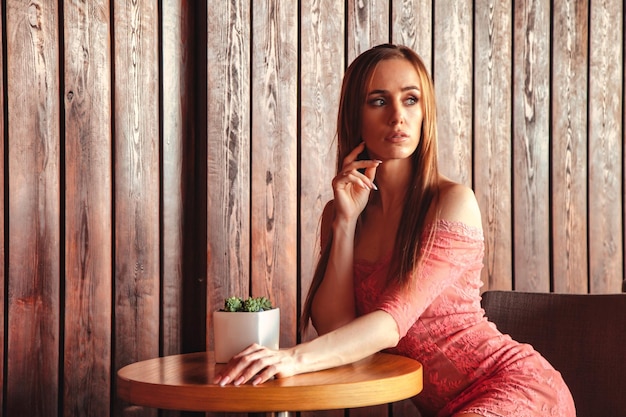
(606, 146)
(492, 137)
(88, 209)
(3, 231)
(531, 146)
(413, 27)
(453, 83)
(229, 154)
(244, 161)
(569, 147)
(185, 382)
(137, 198)
(322, 71)
(175, 87)
(32, 355)
(274, 230)
(367, 25)
(184, 176)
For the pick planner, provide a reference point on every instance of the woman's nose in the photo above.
(396, 115)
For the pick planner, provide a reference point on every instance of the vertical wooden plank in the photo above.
(183, 311)
(174, 94)
(531, 61)
(136, 173)
(368, 25)
(412, 26)
(453, 61)
(274, 165)
(228, 156)
(492, 136)
(605, 134)
(88, 210)
(322, 25)
(3, 253)
(569, 145)
(184, 161)
(32, 384)
(194, 301)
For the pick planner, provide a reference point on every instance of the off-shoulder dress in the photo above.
(469, 366)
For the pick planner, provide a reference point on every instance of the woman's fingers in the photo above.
(235, 369)
(359, 171)
(255, 363)
(353, 176)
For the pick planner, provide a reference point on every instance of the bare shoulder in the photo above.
(458, 202)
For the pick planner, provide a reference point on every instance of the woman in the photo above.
(402, 250)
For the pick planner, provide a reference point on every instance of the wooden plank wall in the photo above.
(160, 156)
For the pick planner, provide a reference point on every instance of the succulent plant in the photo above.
(233, 304)
(252, 304)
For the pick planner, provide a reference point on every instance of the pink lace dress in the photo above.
(469, 366)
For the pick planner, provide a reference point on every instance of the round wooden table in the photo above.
(185, 382)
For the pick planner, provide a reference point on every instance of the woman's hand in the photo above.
(351, 187)
(356, 340)
(257, 364)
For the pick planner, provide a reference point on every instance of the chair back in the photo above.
(582, 335)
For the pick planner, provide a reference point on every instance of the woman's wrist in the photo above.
(344, 226)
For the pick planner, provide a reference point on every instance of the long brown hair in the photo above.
(423, 187)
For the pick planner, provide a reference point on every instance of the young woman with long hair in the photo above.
(402, 251)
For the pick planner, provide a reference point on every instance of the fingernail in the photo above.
(238, 381)
(256, 381)
(224, 381)
(374, 187)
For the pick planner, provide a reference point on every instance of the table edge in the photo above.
(193, 397)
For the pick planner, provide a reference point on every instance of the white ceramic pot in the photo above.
(235, 331)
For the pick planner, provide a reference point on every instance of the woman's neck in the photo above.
(392, 180)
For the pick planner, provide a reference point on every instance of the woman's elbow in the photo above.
(394, 337)
(390, 332)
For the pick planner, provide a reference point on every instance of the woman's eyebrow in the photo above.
(411, 87)
(407, 88)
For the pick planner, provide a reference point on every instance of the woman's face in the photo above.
(393, 111)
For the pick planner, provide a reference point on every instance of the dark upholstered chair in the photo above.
(582, 335)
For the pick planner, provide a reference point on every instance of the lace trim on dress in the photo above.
(447, 227)
(457, 228)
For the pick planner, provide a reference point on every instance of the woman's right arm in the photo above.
(333, 303)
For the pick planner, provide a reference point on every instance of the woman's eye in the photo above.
(377, 102)
(412, 100)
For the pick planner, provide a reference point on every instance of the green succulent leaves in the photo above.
(252, 304)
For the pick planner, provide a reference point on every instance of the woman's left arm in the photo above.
(356, 340)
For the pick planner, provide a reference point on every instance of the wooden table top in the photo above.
(184, 382)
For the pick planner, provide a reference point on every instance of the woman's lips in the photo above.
(397, 137)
